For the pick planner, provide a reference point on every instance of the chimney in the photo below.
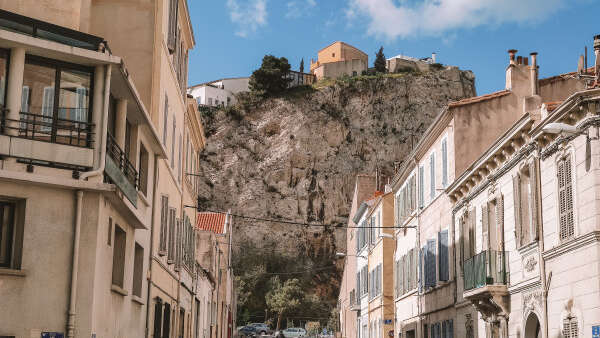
(433, 55)
(511, 53)
(519, 60)
(525, 61)
(533, 77)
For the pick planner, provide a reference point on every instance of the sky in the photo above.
(232, 36)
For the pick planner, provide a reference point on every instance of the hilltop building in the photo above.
(337, 59)
(401, 62)
(219, 93)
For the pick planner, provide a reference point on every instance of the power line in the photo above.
(308, 224)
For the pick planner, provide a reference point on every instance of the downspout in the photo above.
(78, 208)
(153, 223)
(545, 283)
(418, 240)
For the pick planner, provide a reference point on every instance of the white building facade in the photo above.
(220, 92)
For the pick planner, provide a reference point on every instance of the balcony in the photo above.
(47, 31)
(44, 139)
(485, 282)
(120, 171)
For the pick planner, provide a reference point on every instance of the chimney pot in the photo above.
(511, 53)
(519, 60)
(533, 76)
(525, 61)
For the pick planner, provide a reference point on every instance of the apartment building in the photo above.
(526, 219)
(349, 293)
(78, 154)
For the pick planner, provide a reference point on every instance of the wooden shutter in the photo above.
(380, 279)
(171, 248)
(166, 333)
(171, 39)
(157, 318)
(409, 270)
(401, 276)
(499, 231)
(432, 176)
(450, 328)
(430, 264)
(421, 272)
(565, 193)
(415, 258)
(444, 329)
(421, 187)
(164, 220)
(570, 327)
(443, 255)
(484, 227)
(358, 284)
(517, 207)
(535, 198)
(444, 163)
(472, 240)
(405, 264)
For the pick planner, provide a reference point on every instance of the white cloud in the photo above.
(401, 19)
(248, 15)
(298, 8)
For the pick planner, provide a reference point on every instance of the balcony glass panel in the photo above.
(486, 268)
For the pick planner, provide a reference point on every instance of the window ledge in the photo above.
(118, 289)
(137, 299)
(12, 272)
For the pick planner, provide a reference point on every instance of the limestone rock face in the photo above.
(296, 157)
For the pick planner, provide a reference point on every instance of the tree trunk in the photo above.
(279, 315)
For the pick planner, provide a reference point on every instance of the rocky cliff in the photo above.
(296, 156)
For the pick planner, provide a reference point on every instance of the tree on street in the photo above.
(284, 297)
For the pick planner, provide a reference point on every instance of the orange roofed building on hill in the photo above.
(337, 59)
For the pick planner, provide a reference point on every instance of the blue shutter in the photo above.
(422, 253)
(444, 329)
(443, 255)
(421, 187)
(430, 264)
(450, 329)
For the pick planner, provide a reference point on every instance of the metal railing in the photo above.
(48, 129)
(485, 268)
(114, 151)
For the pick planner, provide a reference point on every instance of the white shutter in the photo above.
(565, 193)
(535, 203)
(484, 228)
(517, 207)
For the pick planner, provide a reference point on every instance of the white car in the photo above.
(294, 332)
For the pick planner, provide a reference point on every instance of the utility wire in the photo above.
(308, 224)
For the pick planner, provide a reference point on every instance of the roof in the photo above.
(343, 43)
(211, 221)
(479, 98)
(225, 78)
(551, 79)
(551, 106)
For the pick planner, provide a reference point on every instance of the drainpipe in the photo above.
(418, 240)
(153, 223)
(75, 264)
(544, 282)
(102, 151)
(79, 201)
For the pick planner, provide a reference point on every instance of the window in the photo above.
(110, 230)
(332, 55)
(443, 255)
(143, 168)
(406, 201)
(432, 176)
(11, 233)
(3, 75)
(570, 327)
(127, 148)
(165, 119)
(181, 322)
(173, 144)
(444, 163)
(421, 187)
(164, 221)
(166, 327)
(430, 263)
(210, 101)
(565, 198)
(172, 225)
(118, 268)
(138, 267)
(158, 317)
(172, 33)
(492, 223)
(467, 234)
(56, 102)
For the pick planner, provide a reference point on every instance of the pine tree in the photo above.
(380, 61)
(302, 65)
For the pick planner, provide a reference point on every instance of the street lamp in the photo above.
(342, 255)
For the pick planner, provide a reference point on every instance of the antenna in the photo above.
(585, 61)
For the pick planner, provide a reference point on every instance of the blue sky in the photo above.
(232, 36)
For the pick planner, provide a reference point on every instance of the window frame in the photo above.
(14, 259)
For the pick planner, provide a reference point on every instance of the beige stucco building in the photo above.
(339, 59)
(78, 154)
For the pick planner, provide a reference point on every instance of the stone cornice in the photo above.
(572, 245)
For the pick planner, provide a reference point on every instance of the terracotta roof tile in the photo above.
(476, 99)
(211, 221)
(551, 106)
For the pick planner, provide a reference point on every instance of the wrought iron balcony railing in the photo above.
(48, 129)
(486, 268)
(114, 151)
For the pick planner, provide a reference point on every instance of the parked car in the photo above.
(291, 332)
(262, 328)
(247, 331)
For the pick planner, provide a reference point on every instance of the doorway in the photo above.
(532, 327)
